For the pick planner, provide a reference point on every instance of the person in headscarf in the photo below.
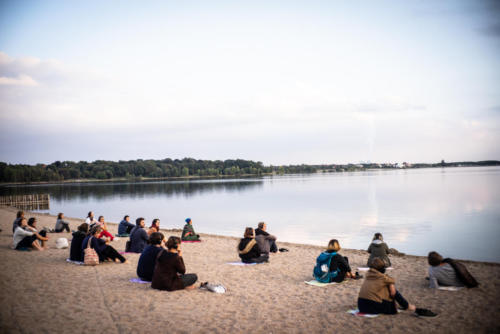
(188, 233)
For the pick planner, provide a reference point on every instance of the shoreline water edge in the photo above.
(42, 288)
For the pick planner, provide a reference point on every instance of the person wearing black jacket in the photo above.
(75, 252)
(249, 250)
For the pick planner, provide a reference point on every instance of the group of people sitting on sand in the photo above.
(378, 293)
(161, 261)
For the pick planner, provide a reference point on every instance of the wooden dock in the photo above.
(27, 202)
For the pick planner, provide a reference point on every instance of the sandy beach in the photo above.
(42, 293)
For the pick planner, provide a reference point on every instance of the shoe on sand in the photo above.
(425, 313)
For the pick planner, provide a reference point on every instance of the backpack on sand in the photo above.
(321, 271)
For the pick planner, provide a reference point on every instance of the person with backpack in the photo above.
(448, 272)
(378, 248)
(331, 266)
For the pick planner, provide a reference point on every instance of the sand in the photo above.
(42, 293)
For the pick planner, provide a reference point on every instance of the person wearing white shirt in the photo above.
(25, 239)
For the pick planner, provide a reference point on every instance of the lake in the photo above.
(455, 211)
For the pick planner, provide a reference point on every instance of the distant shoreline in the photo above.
(357, 168)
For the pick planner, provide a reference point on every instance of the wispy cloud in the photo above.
(20, 80)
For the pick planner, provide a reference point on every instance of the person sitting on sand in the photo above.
(41, 236)
(155, 226)
(103, 250)
(17, 221)
(266, 241)
(138, 237)
(147, 261)
(441, 273)
(104, 226)
(188, 233)
(170, 272)
(90, 219)
(378, 293)
(339, 267)
(61, 225)
(25, 239)
(378, 248)
(125, 227)
(249, 250)
(75, 252)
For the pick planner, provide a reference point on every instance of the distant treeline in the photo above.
(187, 167)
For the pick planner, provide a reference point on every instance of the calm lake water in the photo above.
(455, 211)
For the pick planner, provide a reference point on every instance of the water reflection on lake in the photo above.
(454, 211)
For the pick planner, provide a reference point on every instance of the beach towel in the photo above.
(316, 283)
(356, 313)
(184, 241)
(367, 268)
(122, 235)
(239, 263)
(138, 280)
(74, 262)
(450, 288)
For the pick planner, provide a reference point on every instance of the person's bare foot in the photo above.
(191, 287)
(411, 308)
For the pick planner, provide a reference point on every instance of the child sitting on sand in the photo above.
(378, 293)
(25, 239)
(378, 248)
(188, 233)
(170, 272)
(339, 267)
(104, 226)
(147, 261)
(249, 250)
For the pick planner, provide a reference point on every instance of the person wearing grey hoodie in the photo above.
(378, 248)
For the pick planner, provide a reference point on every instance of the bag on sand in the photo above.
(462, 273)
(321, 271)
(62, 243)
(90, 257)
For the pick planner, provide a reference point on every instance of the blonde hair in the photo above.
(333, 245)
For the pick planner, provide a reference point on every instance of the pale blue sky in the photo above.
(274, 81)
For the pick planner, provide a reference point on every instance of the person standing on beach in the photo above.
(125, 227)
(188, 233)
(378, 248)
(138, 237)
(170, 271)
(25, 239)
(266, 241)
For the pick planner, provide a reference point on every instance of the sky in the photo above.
(282, 82)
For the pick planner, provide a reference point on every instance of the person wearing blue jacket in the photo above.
(125, 227)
